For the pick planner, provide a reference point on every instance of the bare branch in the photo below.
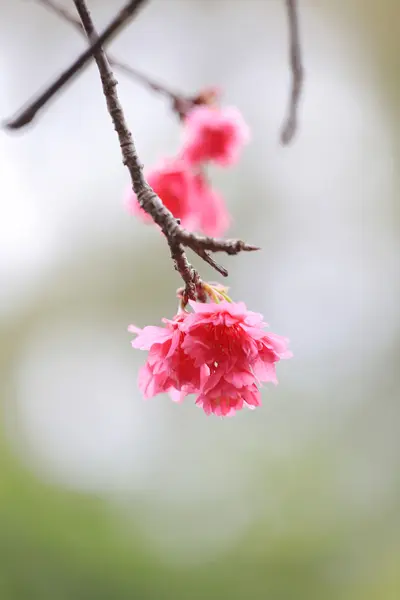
(26, 115)
(176, 98)
(290, 125)
(177, 236)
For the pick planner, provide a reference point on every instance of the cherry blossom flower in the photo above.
(220, 351)
(214, 134)
(187, 194)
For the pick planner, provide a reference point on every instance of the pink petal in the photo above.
(151, 335)
(265, 371)
(239, 379)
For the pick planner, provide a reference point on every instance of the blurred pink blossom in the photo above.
(172, 181)
(188, 196)
(214, 134)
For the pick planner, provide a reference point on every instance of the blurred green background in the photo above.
(105, 496)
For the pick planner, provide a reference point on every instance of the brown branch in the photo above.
(26, 115)
(290, 125)
(177, 236)
(179, 101)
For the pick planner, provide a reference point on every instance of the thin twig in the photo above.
(176, 98)
(290, 125)
(26, 115)
(177, 237)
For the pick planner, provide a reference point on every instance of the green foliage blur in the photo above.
(58, 545)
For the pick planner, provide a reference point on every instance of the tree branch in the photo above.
(290, 125)
(177, 236)
(179, 102)
(26, 115)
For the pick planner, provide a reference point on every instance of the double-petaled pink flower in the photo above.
(187, 195)
(214, 134)
(220, 352)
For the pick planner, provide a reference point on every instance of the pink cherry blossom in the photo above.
(188, 196)
(220, 352)
(214, 134)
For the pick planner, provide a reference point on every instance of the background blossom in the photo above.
(214, 134)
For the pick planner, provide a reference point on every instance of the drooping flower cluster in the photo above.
(211, 134)
(220, 351)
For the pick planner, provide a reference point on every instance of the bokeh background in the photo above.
(103, 495)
